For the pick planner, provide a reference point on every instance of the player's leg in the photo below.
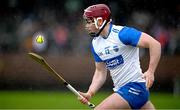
(114, 101)
(148, 105)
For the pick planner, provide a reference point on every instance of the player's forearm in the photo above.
(97, 82)
(155, 54)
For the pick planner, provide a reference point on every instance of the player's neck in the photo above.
(105, 31)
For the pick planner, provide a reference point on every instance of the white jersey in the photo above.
(120, 54)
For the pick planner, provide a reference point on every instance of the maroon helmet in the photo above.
(98, 10)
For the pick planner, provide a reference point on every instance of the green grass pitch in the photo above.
(67, 100)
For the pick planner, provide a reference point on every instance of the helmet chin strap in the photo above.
(93, 34)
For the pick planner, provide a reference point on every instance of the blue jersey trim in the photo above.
(129, 36)
(110, 27)
(96, 57)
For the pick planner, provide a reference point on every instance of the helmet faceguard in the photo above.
(95, 12)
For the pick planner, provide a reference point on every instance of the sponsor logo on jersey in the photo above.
(114, 62)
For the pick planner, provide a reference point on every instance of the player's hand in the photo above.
(85, 99)
(149, 77)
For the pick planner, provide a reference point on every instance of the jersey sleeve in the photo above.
(96, 57)
(129, 36)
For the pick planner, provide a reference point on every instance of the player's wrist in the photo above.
(90, 93)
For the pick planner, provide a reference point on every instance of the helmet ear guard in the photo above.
(99, 23)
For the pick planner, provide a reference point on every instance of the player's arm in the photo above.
(97, 81)
(146, 41)
(98, 78)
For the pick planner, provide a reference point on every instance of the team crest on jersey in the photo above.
(115, 48)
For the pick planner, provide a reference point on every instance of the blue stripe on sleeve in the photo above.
(96, 57)
(129, 36)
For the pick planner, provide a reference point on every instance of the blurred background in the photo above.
(67, 45)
